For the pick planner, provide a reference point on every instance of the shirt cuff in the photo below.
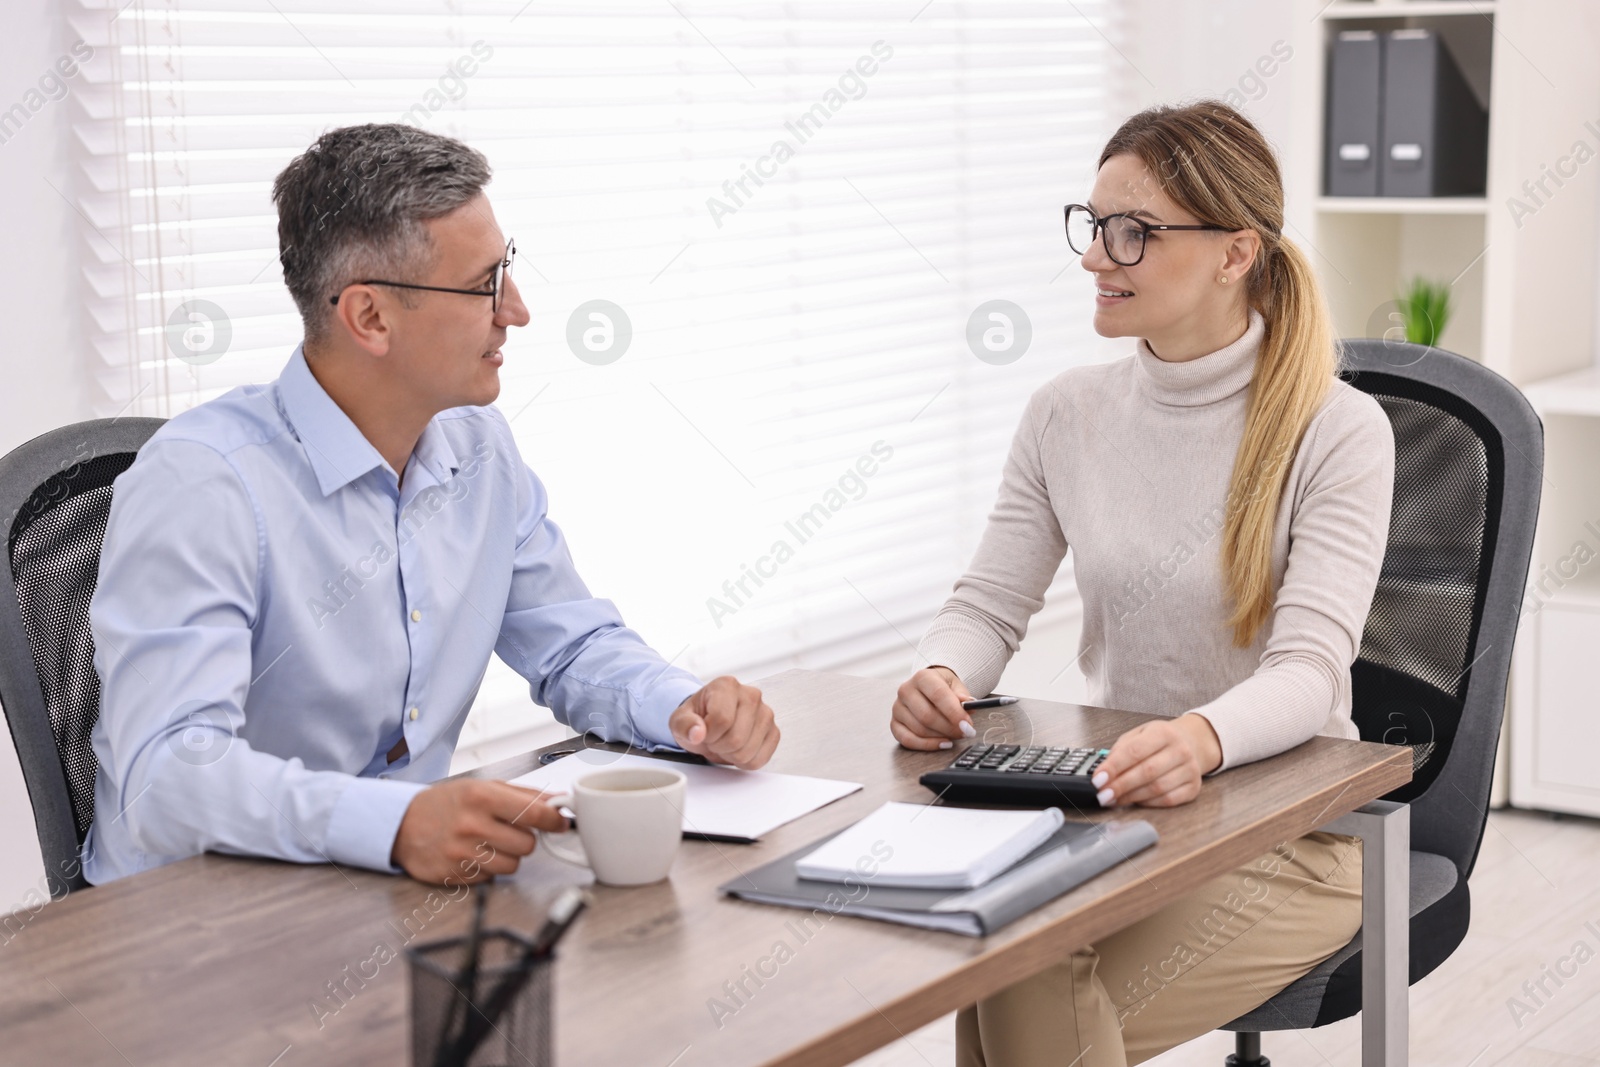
(650, 715)
(365, 820)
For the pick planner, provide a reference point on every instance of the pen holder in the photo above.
(442, 1021)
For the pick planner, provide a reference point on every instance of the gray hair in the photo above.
(352, 206)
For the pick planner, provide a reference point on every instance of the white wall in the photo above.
(41, 364)
(1180, 51)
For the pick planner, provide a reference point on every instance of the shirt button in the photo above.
(414, 713)
(416, 615)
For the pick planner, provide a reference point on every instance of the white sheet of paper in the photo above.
(722, 801)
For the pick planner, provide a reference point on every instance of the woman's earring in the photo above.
(1223, 279)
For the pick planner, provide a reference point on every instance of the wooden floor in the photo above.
(1536, 885)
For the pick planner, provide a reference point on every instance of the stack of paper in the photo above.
(923, 847)
(721, 803)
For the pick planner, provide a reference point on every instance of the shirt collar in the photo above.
(1206, 379)
(434, 454)
(338, 451)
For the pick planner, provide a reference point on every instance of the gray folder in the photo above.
(1435, 133)
(1068, 858)
(1355, 96)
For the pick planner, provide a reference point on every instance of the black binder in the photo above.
(1355, 101)
(1435, 134)
(1069, 857)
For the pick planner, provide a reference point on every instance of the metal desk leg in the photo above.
(1385, 832)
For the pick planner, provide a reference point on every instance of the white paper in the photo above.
(721, 801)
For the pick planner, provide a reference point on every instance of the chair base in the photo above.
(1246, 1052)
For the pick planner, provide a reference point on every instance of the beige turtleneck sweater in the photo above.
(1128, 464)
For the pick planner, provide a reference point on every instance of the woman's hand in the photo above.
(927, 711)
(1159, 764)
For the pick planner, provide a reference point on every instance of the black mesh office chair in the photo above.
(1469, 458)
(55, 492)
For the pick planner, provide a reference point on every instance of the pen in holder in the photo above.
(501, 1018)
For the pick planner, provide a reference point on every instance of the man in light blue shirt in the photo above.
(301, 583)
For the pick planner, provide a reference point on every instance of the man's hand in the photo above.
(470, 829)
(726, 723)
(927, 712)
(1159, 764)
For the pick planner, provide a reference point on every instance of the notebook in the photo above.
(720, 803)
(1073, 854)
(927, 847)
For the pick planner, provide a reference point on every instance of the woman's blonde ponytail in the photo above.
(1294, 368)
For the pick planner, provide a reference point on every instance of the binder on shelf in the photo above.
(1355, 103)
(1069, 857)
(1435, 133)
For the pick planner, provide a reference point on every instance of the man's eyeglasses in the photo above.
(1124, 234)
(496, 292)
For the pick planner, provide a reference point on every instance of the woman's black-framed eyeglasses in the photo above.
(497, 290)
(1124, 234)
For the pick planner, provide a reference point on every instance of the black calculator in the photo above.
(1014, 774)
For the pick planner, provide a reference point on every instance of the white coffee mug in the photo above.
(630, 821)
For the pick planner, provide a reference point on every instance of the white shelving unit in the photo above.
(1555, 729)
(1521, 261)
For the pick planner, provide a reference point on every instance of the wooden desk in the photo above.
(223, 960)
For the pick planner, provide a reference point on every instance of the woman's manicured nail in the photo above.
(967, 729)
(946, 744)
(1099, 779)
(1104, 797)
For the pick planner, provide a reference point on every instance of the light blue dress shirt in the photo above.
(276, 611)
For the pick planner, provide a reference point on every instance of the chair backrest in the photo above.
(1436, 652)
(55, 494)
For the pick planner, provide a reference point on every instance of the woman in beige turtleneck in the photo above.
(1226, 499)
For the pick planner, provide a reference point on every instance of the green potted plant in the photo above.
(1425, 309)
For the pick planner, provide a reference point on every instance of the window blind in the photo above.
(782, 448)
